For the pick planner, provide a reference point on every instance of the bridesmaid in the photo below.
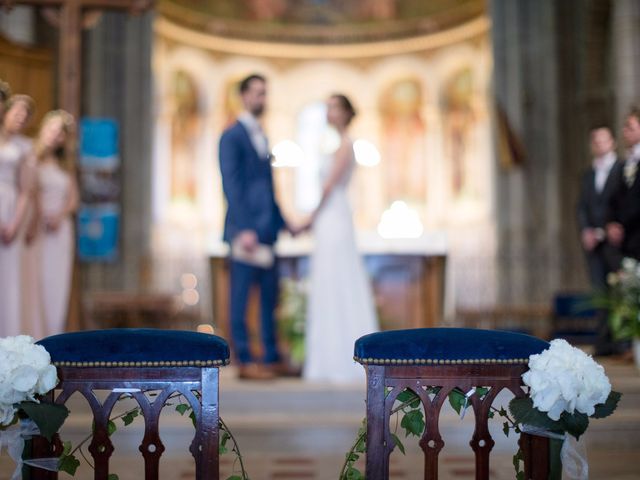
(17, 181)
(57, 201)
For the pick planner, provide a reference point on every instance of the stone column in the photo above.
(527, 202)
(118, 84)
(626, 51)
(553, 75)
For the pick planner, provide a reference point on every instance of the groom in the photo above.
(251, 227)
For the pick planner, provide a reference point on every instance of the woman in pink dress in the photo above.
(57, 202)
(17, 181)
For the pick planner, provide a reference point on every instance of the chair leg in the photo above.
(377, 462)
(535, 450)
(42, 448)
(208, 468)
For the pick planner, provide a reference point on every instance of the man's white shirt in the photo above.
(256, 134)
(602, 167)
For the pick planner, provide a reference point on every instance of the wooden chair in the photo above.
(132, 362)
(446, 358)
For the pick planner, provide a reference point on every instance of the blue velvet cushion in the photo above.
(136, 347)
(446, 346)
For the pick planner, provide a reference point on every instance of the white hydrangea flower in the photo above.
(6, 414)
(565, 379)
(48, 380)
(25, 371)
(629, 264)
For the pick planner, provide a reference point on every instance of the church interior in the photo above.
(470, 141)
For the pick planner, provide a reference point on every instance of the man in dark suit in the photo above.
(252, 224)
(600, 184)
(624, 227)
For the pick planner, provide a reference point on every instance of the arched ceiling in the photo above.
(321, 21)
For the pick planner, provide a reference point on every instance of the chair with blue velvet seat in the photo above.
(448, 358)
(135, 362)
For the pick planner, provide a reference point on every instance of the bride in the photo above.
(340, 306)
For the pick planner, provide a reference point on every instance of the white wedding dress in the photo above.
(340, 305)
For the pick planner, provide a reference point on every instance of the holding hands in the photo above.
(303, 227)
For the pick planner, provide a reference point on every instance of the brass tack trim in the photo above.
(172, 363)
(440, 361)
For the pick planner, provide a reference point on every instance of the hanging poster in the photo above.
(99, 213)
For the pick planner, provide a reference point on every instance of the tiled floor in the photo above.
(288, 429)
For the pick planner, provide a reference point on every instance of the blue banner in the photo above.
(100, 186)
(98, 232)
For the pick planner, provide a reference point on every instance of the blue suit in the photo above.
(247, 182)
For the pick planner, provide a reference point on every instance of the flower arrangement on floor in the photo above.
(292, 314)
(25, 374)
(623, 300)
(566, 388)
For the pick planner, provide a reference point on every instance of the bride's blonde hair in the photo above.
(66, 153)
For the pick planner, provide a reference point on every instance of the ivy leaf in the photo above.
(398, 443)
(223, 443)
(113, 476)
(49, 417)
(517, 458)
(111, 428)
(182, 408)
(192, 416)
(524, 412)
(352, 457)
(66, 448)
(457, 400)
(575, 423)
(413, 423)
(68, 464)
(608, 407)
(353, 474)
(505, 428)
(235, 477)
(410, 397)
(363, 428)
(129, 417)
(361, 446)
(482, 391)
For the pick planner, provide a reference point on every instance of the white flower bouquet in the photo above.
(623, 300)
(25, 374)
(566, 388)
(25, 371)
